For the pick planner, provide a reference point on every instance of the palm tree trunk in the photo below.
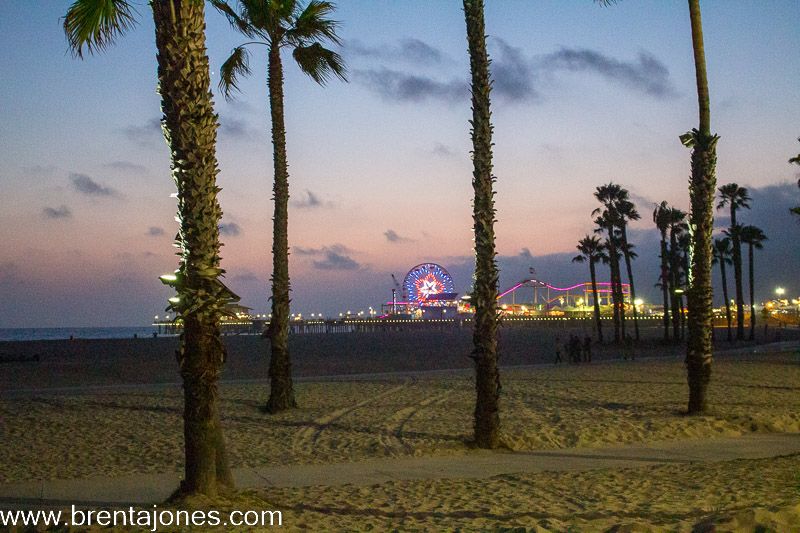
(596, 301)
(737, 276)
(613, 264)
(487, 377)
(752, 293)
(190, 128)
(674, 271)
(725, 295)
(630, 282)
(281, 394)
(665, 284)
(702, 188)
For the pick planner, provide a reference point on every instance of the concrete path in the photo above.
(140, 489)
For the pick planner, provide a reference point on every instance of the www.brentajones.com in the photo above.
(150, 519)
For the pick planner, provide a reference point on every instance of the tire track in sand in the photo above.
(391, 435)
(306, 439)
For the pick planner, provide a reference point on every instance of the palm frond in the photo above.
(95, 24)
(237, 65)
(235, 20)
(313, 24)
(320, 63)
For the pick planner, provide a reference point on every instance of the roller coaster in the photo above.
(538, 297)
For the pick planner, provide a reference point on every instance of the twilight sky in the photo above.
(379, 167)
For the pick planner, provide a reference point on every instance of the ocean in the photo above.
(40, 334)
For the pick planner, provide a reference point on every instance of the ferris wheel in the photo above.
(425, 280)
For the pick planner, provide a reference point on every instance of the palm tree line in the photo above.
(189, 125)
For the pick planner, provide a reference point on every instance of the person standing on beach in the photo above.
(558, 350)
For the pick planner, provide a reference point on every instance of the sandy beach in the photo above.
(68, 436)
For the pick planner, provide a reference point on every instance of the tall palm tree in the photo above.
(278, 24)
(677, 228)
(661, 216)
(703, 181)
(736, 198)
(484, 338)
(190, 127)
(722, 256)
(754, 238)
(627, 212)
(592, 251)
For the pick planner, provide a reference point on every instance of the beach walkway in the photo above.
(139, 489)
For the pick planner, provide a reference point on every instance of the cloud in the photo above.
(392, 236)
(245, 276)
(410, 50)
(647, 74)
(57, 212)
(334, 257)
(236, 129)
(336, 261)
(144, 135)
(512, 74)
(155, 231)
(442, 150)
(394, 85)
(230, 229)
(86, 185)
(126, 166)
(311, 201)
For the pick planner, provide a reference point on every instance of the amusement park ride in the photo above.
(428, 292)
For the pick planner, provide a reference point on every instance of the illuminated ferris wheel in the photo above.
(425, 280)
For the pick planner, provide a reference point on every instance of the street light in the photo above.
(780, 291)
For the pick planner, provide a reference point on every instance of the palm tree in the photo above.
(608, 221)
(677, 228)
(754, 238)
(661, 216)
(736, 198)
(190, 127)
(627, 212)
(484, 353)
(722, 255)
(278, 24)
(700, 301)
(591, 251)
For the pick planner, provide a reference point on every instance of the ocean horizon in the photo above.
(43, 334)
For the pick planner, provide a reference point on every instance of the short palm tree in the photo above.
(592, 251)
(608, 220)
(627, 212)
(722, 256)
(278, 24)
(662, 216)
(736, 198)
(484, 353)
(754, 238)
(190, 127)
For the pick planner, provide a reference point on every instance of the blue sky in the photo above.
(379, 167)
